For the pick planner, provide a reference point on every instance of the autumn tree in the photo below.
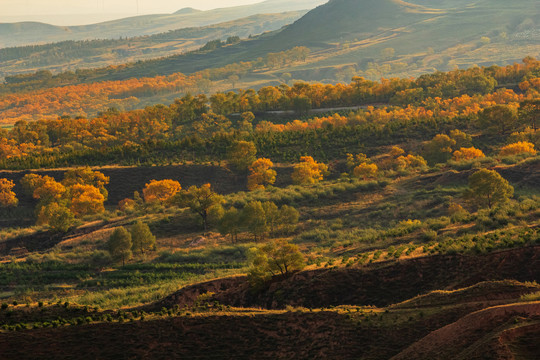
(142, 238)
(8, 198)
(49, 190)
(30, 182)
(261, 174)
(85, 176)
(127, 205)
(278, 257)
(308, 171)
(161, 191)
(521, 147)
(86, 200)
(465, 154)
(365, 171)
(200, 200)
(119, 245)
(488, 187)
(241, 155)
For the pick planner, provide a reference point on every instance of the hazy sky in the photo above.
(45, 10)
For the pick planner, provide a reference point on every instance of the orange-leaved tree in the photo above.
(261, 174)
(161, 191)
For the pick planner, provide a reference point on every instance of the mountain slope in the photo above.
(64, 55)
(17, 34)
(343, 19)
(354, 34)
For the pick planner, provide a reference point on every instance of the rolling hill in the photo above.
(66, 55)
(17, 34)
(349, 38)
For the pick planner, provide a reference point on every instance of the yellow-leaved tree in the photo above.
(261, 174)
(86, 200)
(518, 148)
(366, 171)
(8, 197)
(465, 154)
(308, 171)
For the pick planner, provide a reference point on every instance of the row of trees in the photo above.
(189, 121)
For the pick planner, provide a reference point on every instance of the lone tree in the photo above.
(308, 171)
(200, 200)
(261, 174)
(488, 187)
(160, 191)
(277, 258)
(142, 238)
(119, 245)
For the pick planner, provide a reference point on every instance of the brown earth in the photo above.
(379, 284)
(459, 339)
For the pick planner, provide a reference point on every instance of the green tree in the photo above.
(57, 216)
(288, 218)
(277, 258)
(119, 245)
(200, 200)
(498, 119)
(230, 224)
(488, 187)
(241, 155)
(439, 149)
(142, 238)
(271, 212)
(254, 219)
(529, 113)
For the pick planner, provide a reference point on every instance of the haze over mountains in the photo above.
(348, 37)
(25, 33)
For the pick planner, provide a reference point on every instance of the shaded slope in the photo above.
(378, 284)
(464, 339)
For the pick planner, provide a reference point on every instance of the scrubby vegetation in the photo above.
(439, 167)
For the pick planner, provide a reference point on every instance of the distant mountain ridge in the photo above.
(187, 10)
(30, 33)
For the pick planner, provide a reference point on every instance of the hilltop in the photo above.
(17, 34)
(372, 39)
